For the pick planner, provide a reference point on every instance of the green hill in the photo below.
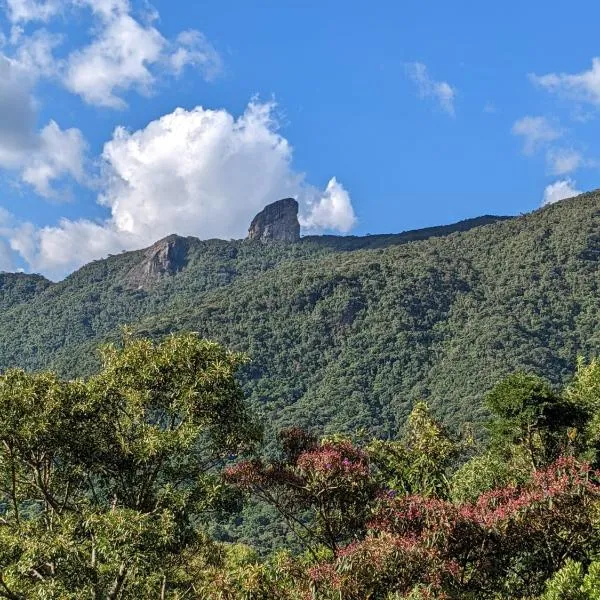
(344, 332)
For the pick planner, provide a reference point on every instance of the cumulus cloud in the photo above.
(559, 190)
(34, 55)
(117, 60)
(59, 154)
(536, 132)
(194, 50)
(582, 87)
(105, 9)
(199, 172)
(126, 53)
(6, 257)
(17, 114)
(7, 262)
(40, 157)
(120, 57)
(331, 210)
(427, 87)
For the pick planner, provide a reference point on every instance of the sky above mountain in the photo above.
(122, 122)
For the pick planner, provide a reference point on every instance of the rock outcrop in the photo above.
(165, 257)
(277, 221)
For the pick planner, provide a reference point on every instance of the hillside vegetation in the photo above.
(111, 486)
(346, 333)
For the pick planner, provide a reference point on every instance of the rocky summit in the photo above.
(165, 257)
(277, 221)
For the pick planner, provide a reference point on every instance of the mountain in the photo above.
(344, 333)
(17, 288)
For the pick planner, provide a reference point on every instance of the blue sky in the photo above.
(121, 122)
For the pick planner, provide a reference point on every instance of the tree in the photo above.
(584, 392)
(504, 545)
(418, 463)
(104, 482)
(323, 490)
(528, 413)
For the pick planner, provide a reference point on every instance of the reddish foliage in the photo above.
(470, 548)
(333, 480)
(333, 460)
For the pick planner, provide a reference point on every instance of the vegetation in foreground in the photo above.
(109, 484)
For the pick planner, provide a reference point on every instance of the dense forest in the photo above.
(110, 486)
(393, 417)
(344, 333)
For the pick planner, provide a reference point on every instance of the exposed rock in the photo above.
(164, 258)
(277, 221)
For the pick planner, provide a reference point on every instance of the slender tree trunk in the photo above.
(117, 585)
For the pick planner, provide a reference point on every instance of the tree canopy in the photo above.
(104, 481)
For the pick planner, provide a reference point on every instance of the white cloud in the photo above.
(582, 87)
(125, 52)
(332, 210)
(6, 257)
(22, 240)
(536, 132)
(563, 160)
(559, 190)
(23, 11)
(105, 9)
(40, 158)
(117, 60)
(199, 172)
(34, 55)
(7, 262)
(60, 154)
(17, 114)
(126, 55)
(193, 49)
(72, 243)
(441, 91)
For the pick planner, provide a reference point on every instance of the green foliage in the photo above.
(109, 484)
(18, 288)
(104, 481)
(529, 414)
(419, 463)
(324, 491)
(573, 582)
(347, 333)
(488, 471)
(584, 392)
(566, 583)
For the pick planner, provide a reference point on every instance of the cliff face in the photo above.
(165, 257)
(277, 221)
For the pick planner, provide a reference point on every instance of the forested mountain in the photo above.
(18, 288)
(343, 332)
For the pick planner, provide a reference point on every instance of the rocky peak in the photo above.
(165, 257)
(277, 221)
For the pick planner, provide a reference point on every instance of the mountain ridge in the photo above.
(343, 337)
(340, 242)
